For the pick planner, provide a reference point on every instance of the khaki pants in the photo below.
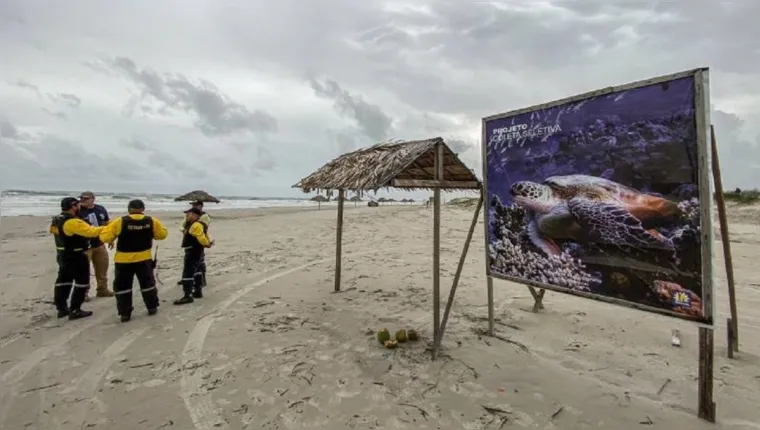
(99, 258)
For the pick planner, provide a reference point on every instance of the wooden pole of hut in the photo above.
(339, 239)
(439, 162)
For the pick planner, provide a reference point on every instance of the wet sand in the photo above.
(272, 346)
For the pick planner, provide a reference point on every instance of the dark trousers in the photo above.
(124, 275)
(192, 276)
(73, 274)
(202, 268)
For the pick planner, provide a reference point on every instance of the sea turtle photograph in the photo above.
(591, 209)
(600, 196)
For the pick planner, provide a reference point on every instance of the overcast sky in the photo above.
(247, 97)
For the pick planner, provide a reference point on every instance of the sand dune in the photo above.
(271, 346)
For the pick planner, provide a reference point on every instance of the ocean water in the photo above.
(16, 203)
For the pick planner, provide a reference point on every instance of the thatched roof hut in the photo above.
(197, 195)
(319, 199)
(417, 164)
(355, 198)
(403, 164)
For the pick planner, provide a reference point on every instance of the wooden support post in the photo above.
(439, 162)
(706, 405)
(339, 240)
(460, 266)
(538, 298)
(724, 237)
(489, 286)
(730, 337)
(489, 280)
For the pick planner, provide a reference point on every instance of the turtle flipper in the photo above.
(612, 224)
(542, 242)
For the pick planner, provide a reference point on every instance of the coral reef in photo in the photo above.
(513, 254)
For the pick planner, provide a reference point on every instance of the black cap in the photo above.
(197, 203)
(68, 203)
(194, 211)
(136, 204)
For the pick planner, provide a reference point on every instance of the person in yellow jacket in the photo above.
(206, 220)
(134, 235)
(72, 236)
(194, 243)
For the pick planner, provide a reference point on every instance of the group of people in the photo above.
(82, 231)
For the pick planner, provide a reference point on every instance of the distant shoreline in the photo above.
(125, 195)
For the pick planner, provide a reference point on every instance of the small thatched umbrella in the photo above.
(197, 195)
(355, 199)
(382, 200)
(319, 200)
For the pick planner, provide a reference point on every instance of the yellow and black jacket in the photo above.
(71, 233)
(205, 219)
(195, 238)
(135, 234)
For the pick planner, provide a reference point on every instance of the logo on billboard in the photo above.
(521, 132)
(681, 299)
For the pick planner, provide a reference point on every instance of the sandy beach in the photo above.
(272, 346)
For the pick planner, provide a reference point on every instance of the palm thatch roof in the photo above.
(391, 164)
(197, 195)
(319, 199)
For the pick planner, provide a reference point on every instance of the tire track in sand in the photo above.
(10, 380)
(88, 383)
(199, 404)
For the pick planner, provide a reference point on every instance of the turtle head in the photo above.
(532, 195)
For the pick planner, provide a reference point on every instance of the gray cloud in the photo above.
(375, 123)
(348, 139)
(8, 130)
(68, 100)
(739, 157)
(26, 85)
(216, 113)
(56, 114)
(432, 68)
(134, 143)
(176, 168)
(264, 160)
(345, 142)
(162, 163)
(458, 145)
(238, 146)
(51, 160)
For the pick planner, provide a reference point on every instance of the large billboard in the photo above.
(606, 195)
